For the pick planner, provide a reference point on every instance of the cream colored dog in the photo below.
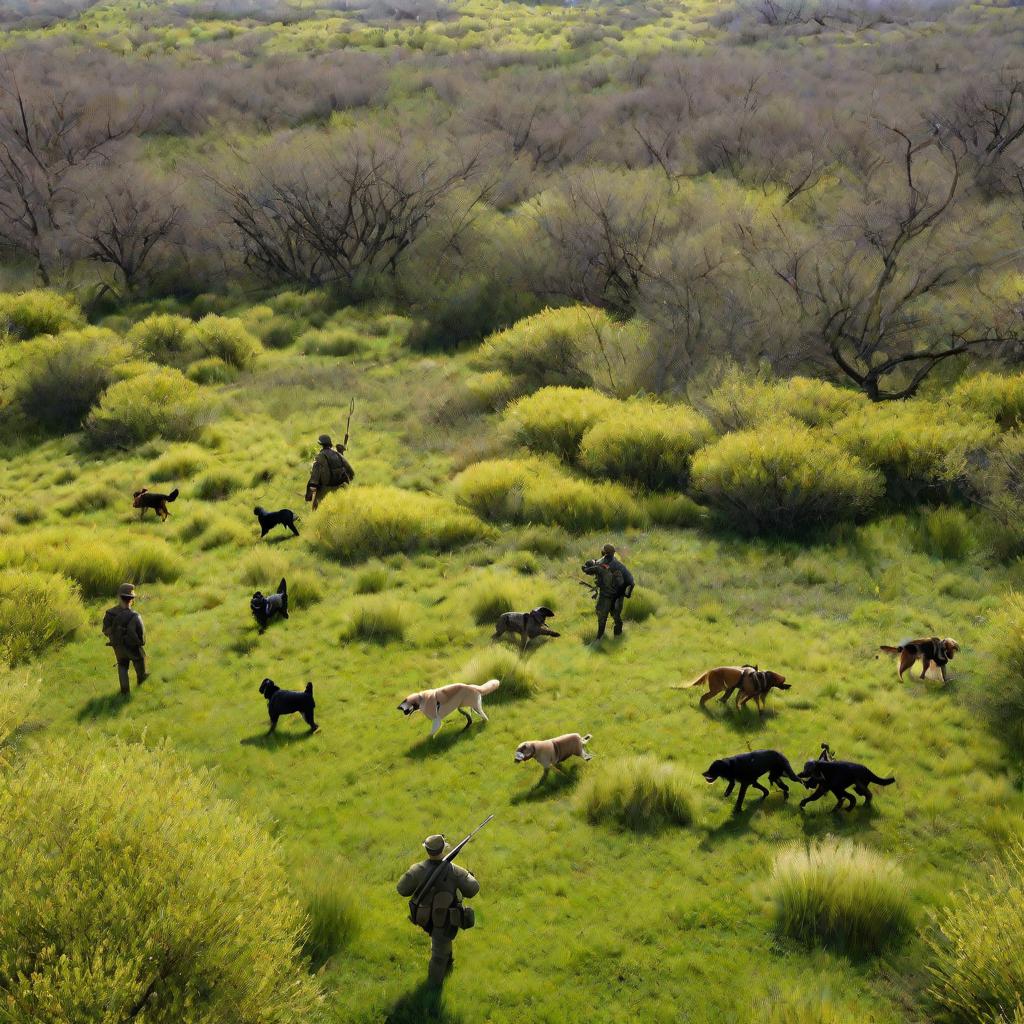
(438, 704)
(551, 753)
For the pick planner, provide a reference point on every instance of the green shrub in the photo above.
(997, 481)
(488, 392)
(278, 331)
(976, 947)
(332, 912)
(21, 690)
(534, 490)
(641, 606)
(211, 371)
(89, 499)
(492, 594)
(333, 340)
(378, 619)
(28, 314)
(224, 338)
(782, 478)
(996, 396)
(133, 878)
(645, 442)
(674, 510)
(38, 611)
(305, 588)
(263, 567)
(1004, 648)
(217, 484)
(518, 680)
(149, 561)
(640, 794)
(556, 418)
(920, 454)
(165, 338)
(163, 403)
(366, 522)
(373, 580)
(837, 893)
(550, 541)
(945, 533)
(179, 462)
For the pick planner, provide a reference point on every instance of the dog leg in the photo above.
(743, 793)
(841, 797)
(778, 782)
(862, 789)
(925, 665)
(273, 724)
(906, 662)
(586, 755)
(479, 709)
(707, 696)
(942, 672)
(816, 795)
(757, 785)
(438, 722)
(729, 788)
(469, 718)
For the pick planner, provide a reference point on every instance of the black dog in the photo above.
(288, 702)
(746, 769)
(268, 520)
(834, 777)
(264, 608)
(528, 625)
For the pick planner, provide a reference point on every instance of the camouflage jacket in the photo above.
(330, 469)
(123, 628)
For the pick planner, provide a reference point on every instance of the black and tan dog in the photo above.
(746, 769)
(826, 775)
(145, 498)
(269, 606)
(268, 520)
(932, 650)
(529, 625)
(288, 702)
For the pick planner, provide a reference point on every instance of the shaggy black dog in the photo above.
(288, 702)
(266, 607)
(835, 777)
(746, 769)
(268, 520)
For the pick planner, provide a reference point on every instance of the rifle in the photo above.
(414, 900)
(348, 422)
(592, 587)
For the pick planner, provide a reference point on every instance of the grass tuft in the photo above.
(378, 619)
(639, 794)
(518, 680)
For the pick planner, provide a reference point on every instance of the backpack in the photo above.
(338, 475)
(119, 623)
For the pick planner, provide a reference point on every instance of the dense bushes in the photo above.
(556, 418)
(996, 481)
(840, 894)
(534, 490)
(333, 340)
(997, 396)
(362, 522)
(37, 611)
(782, 478)
(31, 313)
(159, 403)
(164, 337)
(637, 793)
(135, 889)
(178, 341)
(976, 949)
(1004, 704)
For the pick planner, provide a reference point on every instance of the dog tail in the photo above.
(587, 738)
(173, 494)
(699, 681)
(872, 777)
(282, 587)
(890, 650)
(490, 686)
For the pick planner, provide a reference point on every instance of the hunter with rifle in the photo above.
(436, 887)
(330, 469)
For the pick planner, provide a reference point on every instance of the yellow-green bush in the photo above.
(376, 618)
(517, 678)
(675, 510)
(364, 522)
(840, 894)
(534, 490)
(373, 580)
(554, 419)
(488, 392)
(212, 370)
(218, 483)
(20, 689)
(165, 338)
(223, 337)
(640, 794)
(135, 886)
(332, 340)
(976, 957)
(996, 396)
(645, 442)
(38, 610)
(945, 533)
(1004, 649)
(28, 314)
(920, 452)
(782, 478)
(641, 606)
(162, 403)
(278, 331)
(178, 462)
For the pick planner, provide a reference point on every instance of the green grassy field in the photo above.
(575, 921)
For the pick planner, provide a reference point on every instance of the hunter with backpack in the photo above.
(330, 471)
(122, 626)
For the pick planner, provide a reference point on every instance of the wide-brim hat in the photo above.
(126, 590)
(325, 439)
(435, 845)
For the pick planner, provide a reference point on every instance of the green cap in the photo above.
(434, 845)
(325, 439)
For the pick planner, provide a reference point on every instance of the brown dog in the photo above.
(551, 753)
(157, 502)
(752, 683)
(931, 650)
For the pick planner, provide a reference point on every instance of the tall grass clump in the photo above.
(487, 392)
(534, 490)
(164, 338)
(492, 594)
(28, 314)
(640, 794)
(366, 522)
(996, 396)
(38, 611)
(378, 619)
(976, 960)
(332, 914)
(155, 891)
(20, 689)
(217, 484)
(179, 462)
(1003, 705)
(556, 418)
(332, 340)
(840, 894)
(222, 337)
(162, 403)
(373, 580)
(518, 680)
(784, 479)
(945, 533)
(645, 442)
(641, 606)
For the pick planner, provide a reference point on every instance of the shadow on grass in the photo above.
(742, 721)
(828, 821)
(107, 706)
(738, 822)
(443, 741)
(423, 1005)
(553, 785)
(276, 740)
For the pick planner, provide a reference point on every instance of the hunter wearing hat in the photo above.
(330, 471)
(439, 910)
(122, 626)
(614, 585)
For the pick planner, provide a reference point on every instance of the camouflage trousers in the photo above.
(440, 954)
(606, 604)
(126, 657)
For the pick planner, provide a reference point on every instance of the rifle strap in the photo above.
(426, 886)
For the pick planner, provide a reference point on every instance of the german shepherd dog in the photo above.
(268, 606)
(528, 625)
(830, 776)
(288, 702)
(931, 650)
(438, 704)
(268, 520)
(746, 769)
(551, 753)
(145, 498)
(752, 683)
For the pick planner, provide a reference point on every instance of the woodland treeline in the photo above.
(781, 193)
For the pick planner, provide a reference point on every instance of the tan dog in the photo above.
(438, 704)
(551, 753)
(752, 683)
(931, 650)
